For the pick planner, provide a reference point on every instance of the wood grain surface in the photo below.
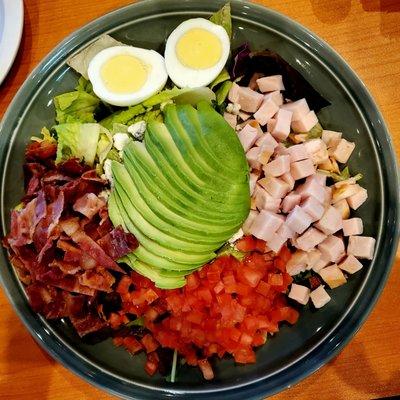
(367, 34)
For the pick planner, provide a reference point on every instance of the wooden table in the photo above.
(367, 34)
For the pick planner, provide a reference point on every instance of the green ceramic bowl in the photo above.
(296, 351)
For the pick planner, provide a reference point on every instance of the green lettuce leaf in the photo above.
(222, 77)
(230, 250)
(104, 145)
(315, 132)
(342, 176)
(223, 91)
(122, 116)
(223, 18)
(84, 85)
(77, 140)
(46, 136)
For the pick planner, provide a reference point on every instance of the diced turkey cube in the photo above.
(319, 264)
(275, 242)
(309, 239)
(297, 152)
(357, 199)
(264, 201)
(297, 263)
(253, 80)
(361, 247)
(265, 224)
(315, 260)
(267, 110)
(328, 196)
(313, 208)
(267, 140)
(271, 125)
(249, 220)
(270, 83)
(317, 150)
(312, 188)
(330, 222)
(353, 226)
(344, 192)
(350, 264)
(252, 157)
(333, 276)
(290, 201)
(288, 178)
(231, 119)
(248, 136)
(277, 167)
(252, 182)
(298, 220)
(302, 169)
(274, 186)
(276, 96)
(331, 138)
(318, 177)
(299, 293)
(343, 207)
(233, 95)
(332, 248)
(281, 129)
(249, 100)
(244, 116)
(299, 108)
(285, 232)
(265, 154)
(305, 123)
(320, 297)
(343, 151)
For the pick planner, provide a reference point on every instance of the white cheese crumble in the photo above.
(137, 130)
(120, 140)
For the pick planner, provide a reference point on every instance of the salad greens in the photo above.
(223, 17)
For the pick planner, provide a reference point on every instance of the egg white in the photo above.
(184, 76)
(156, 78)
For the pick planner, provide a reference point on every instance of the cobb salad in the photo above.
(186, 204)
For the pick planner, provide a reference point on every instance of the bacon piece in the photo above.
(118, 243)
(88, 324)
(88, 205)
(98, 279)
(39, 151)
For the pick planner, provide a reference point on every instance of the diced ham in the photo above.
(297, 152)
(350, 264)
(305, 123)
(332, 249)
(297, 263)
(331, 138)
(319, 297)
(343, 207)
(312, 188)
(270, 83)
(302, 169)
(274, 186)
(290, 201)
(276, 96)
(361, 247)
(244, 116)
(285, 232)
(233, 95)
(330, 222)
(277, 167)
(271, 125)
(252, 157)
(248, 136)
(288, 178)
(231, 119)
(309, 239)
(315, 260)
(249, 220)
(281, 129)
(344, 192)
(299, 108)
(265, 224)
(267, 140)
(333, 276)
(267, 110)
(317, 150)
(275, 242)
(313, 208)
(265, 154)
(328, 196)
(352, 227)
(252, 182)
(357, 199)
(298, 220)
(253, 80)
(299, 293)
(319, 177)
(249, 100)
(343, 151)
(264, 201)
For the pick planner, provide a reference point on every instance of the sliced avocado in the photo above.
(173, 255)
(156, 235)
(122, 178)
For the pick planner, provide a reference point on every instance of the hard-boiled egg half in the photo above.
(196, 52)
(126, 75)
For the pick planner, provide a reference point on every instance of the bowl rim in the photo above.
(253, 388)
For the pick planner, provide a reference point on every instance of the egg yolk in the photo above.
(199, 49)
(124, 74)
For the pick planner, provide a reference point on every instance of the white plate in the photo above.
(11, 24)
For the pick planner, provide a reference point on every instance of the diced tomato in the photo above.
(251, 276)
(151, 314)
(115, 320)
(246, 339)
(247, 244)
(192, 282)
(259, 339)
(149, 343)
(195, 317)
(275, 279)
(245, 356)
(150, 295)
(124, 284)
(289, 314)
(219, 287)
(206, 369)
(263, 288)
(131, 344)
(260, 245)
(151, 365)
(285, 254)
